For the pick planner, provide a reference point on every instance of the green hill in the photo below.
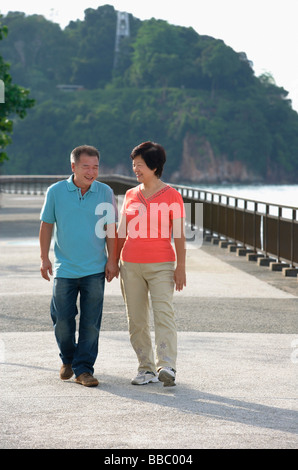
(193, 94)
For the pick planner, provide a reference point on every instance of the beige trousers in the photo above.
(137, 280)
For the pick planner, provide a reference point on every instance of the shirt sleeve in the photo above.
(123, 207)
(48, 210)
(178, 208)
(112, 214)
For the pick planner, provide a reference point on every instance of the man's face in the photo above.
(85, 171)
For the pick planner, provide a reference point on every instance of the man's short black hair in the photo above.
(83, 149)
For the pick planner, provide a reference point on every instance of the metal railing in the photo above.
(38, 184)
(266, 228)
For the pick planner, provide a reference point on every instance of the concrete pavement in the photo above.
(236, 371)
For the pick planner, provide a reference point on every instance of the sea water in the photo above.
(283, 195)
(274, 195)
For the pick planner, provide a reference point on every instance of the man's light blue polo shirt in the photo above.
(79, 238)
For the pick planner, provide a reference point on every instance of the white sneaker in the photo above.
(144, 377)
(167, 376)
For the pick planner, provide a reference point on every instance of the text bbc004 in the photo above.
(169, 459)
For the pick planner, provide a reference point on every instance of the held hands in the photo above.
(111, 270)
(180, 277)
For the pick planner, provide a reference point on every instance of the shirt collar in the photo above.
(72, 187)
(70, 184)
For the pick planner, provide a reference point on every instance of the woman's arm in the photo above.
(121, 235)
(180, 247)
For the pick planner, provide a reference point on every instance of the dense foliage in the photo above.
(170, 85)
(14, 101)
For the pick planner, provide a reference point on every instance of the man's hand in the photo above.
(111, 270)
(46, 269)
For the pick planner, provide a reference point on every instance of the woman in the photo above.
(151, 212)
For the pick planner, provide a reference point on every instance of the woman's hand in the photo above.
(111, 270)
(180, 277)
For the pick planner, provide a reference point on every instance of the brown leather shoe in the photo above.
(87, 380)
(66, 372)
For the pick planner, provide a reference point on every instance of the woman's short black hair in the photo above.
(153, 154)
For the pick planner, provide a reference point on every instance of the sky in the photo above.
(266, 30)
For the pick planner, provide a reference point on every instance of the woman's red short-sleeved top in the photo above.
(149, 225)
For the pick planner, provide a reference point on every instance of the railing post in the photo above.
(218, 215)
(255, 227)
(278, 233)
(211, 214)
(243, 222)
(235, 207)
(292, 237)
(265, 231)
(226, 215)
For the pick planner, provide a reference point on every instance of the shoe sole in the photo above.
(154, 380)
(166, 378)
(66, 377)
(93, 384)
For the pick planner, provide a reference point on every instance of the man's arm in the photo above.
(45, 236)
(111, 269)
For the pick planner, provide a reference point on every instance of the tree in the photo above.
(161, 89)
(161, 53)
(39, 52)
(93, 64)
(16, 101)
(226, 69)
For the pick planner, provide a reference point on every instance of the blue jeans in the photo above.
(83, 353)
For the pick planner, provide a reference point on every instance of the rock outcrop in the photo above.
(200, 165)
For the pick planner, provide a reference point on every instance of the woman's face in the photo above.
(141, 170)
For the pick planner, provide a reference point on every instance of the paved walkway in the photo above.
(236, 372)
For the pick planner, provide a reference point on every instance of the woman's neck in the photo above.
(149, 188)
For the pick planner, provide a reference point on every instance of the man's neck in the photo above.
(84, 189)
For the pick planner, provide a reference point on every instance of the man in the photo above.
(73, 208)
